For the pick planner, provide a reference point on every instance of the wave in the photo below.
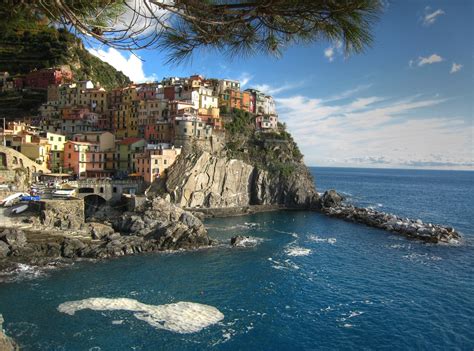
(318, 239)
(283, 265)
(297, 251)
(180, 317)
(22, 271)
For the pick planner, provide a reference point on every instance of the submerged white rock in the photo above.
(180, 317)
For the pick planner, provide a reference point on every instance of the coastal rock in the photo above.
(99, 230)
(13, 237)
(166, 225)
(72, 247)
(4, 249)
(331, 198)
(63, 215)
(403, 226)
(205, 180)
(6, 343)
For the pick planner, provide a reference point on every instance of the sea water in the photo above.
(303, 281)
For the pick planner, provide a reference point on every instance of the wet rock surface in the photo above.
(6, 343)
(332, 205)
(157, 226)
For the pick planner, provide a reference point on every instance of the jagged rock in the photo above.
(4, 249)
(205, 180)
(403, 226)
(99, 230)
(237, 240)
(331, 198)
(71, 247)
(164, 224)
(13, 237)
(6, 343)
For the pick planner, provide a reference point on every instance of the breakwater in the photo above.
(411, 228)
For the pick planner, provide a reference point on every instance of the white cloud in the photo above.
(244, 79)
(272, 90)
(421, 61)
(329, 53)
(377, 131)
(333, 50)
(131, 66)
(456, 67)
(430, 17)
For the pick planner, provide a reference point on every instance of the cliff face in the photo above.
(250, 168)
(210, 181)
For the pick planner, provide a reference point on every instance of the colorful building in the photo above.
(56, 154)
(126, 151)
(153, 162)
(84, 159)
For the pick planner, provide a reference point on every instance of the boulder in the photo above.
(71, 247)
(13, 237)
(4, 249)
(99, 230)
(331, 198)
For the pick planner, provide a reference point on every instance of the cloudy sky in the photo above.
(407, 102)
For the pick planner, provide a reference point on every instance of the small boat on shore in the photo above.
(10, 200)
(19, 209)
(64, 192)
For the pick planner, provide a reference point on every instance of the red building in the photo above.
(40, 79)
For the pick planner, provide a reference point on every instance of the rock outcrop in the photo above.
(332, 205)
(158, 225)
(204, 180)
(6, 343)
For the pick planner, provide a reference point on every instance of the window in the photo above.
(114, 189)
(68, 155)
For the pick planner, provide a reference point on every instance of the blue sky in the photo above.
(406, 102)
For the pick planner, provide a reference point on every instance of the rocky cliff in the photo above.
(201, 179)
(252, 168)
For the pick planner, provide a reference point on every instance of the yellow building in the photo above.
(56, 155)
(37, 151)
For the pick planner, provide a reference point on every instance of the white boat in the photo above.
(64, 192)
(10, 200)
(19, 209)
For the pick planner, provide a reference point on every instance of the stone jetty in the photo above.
(332, 205)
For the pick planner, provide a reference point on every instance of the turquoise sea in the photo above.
(308, 282)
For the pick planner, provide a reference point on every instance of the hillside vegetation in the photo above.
(24, 50)
(276, 151)
(39, 47)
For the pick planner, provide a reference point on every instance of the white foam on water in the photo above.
(347, 325)
(249, 241)
(180, 317)
(117, 322)
(318, 239)
(422, 258)
(297, 251)
(293, 234)
(285, 265)
(353, 314)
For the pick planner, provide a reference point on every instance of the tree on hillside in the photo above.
(236, 27)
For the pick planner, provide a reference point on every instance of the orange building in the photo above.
(84, 159)
(152, 164)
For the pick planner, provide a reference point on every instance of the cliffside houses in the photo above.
(139, 129)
